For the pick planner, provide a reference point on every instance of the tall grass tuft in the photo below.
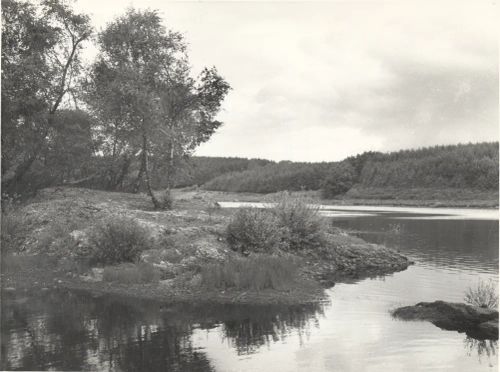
(255, 272)
(485, 294)
(119, 240)
(128, 273)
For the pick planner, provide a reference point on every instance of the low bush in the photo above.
(292, 224)
(140, 273)
(119, 240)
(253, 230)
(485, 294)
(300, 224)
(255, 272)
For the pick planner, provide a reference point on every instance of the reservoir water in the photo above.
(351, 331)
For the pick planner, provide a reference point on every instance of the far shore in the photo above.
(463, 199)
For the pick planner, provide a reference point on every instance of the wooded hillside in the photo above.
(470, 166)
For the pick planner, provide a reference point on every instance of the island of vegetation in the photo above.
(117, 243)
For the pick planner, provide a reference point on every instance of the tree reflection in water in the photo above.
(485, 349)
(72, 331)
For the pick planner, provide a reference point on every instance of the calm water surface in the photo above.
(352, 331)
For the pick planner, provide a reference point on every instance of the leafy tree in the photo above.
(149, 104)
(41, 48)
(70, 148)
(339, 180)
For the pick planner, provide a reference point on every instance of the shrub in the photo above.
(253, 230)
(140, 273)
(300, 224)
(484, 295)
(255, 272)
(119, 240)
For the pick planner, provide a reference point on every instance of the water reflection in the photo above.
(251, 327)
(73, 331)
(485, 350)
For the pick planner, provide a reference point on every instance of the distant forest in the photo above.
(471, 166)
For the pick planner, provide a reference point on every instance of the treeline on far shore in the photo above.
(463, 166)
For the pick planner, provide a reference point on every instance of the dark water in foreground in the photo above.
(351, 332)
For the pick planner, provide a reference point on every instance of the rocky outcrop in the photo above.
(476, 322)
(347, 258)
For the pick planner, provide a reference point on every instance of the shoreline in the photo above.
(314, 196)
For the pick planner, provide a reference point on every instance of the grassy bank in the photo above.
(115, 243)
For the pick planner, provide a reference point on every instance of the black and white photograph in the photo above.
(247, 186)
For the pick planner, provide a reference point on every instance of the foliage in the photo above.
(272, 177)
(119, 240)
(41, 47)
(256, 272)
(291, 225)
(462, 166)
(338, 181)
(144, 113)
(70, 145)
(198, 170)
(485, 294)
(472, 166)
(140, 273)
(141, 88)
(254, 230)
(300, 224)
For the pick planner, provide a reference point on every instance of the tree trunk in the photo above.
(9, 184)
(155, 201)
(123, 172)
(138, 180)
(170, 165)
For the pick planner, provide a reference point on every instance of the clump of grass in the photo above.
(485, 294)
(118, 240)
(291, 225)
(255, 272)
(140, 273)
(300, 224)
(253, 230)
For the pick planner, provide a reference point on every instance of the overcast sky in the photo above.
(322, 81)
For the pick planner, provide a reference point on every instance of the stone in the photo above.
(489, 329)
(477, 322)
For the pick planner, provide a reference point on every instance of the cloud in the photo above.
(320, 81)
